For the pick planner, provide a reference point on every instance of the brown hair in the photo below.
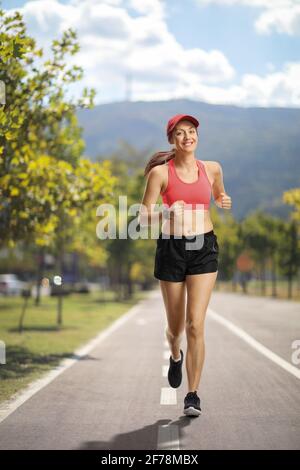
(159, 158)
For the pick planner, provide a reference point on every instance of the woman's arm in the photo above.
(222, 200)
(147, 214)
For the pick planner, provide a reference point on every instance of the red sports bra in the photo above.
(198, 192)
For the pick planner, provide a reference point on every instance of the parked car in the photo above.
(81, 287)
(69, 288)
(10, 284)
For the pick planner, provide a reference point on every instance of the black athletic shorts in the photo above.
(177, 256)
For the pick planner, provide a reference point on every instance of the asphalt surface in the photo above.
(111, 398)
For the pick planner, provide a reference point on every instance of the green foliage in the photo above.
(292, 197)
(45, 183)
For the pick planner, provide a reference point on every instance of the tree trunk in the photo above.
(244, 282)
(59, 318)
(290, 286)
(40, 275)
(21, 321)
(262, 277)
(129, 285)
(274, 280)
(59, 308)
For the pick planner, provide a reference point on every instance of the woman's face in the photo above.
(185, 136)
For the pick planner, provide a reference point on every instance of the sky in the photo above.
(239, 52)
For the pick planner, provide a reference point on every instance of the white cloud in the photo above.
(274, 89)
(270, 66)
(148, 7)
(254, 3)
(115, 44)
(282, 16)
(278, 88)
(282, 20)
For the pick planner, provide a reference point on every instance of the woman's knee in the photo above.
(174, 333)
(194, 328)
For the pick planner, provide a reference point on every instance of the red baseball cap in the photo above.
(175, 119)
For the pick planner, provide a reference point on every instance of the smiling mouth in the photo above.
(187, 144)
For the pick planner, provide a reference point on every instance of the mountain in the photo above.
(258, 148)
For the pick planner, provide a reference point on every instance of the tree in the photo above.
(292, 197)
(45, 184)
(37, 124)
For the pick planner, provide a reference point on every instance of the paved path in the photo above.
(118, 397)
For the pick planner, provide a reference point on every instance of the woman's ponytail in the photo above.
(159, 158)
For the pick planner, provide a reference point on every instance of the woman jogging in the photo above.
(186, 258)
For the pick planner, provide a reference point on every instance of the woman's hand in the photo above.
(224, 201)
(177, 210)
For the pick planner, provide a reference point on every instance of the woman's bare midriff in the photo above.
(194, 221)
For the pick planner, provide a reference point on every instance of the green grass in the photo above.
(41, 345)
(254, 288)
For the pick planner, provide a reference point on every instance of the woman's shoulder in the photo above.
(161, 173)
(212, 169)
(159, 170)
(211, 165)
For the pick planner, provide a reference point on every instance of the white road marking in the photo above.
(165, 370)
(9, 406)
(168, 396)
(254, 343)
(168, 437)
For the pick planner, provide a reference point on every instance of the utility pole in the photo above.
(128, 86)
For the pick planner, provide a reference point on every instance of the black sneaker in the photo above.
(192, 404)
(175, 371)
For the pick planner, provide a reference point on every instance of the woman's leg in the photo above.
(174, 296)
(199, 289)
